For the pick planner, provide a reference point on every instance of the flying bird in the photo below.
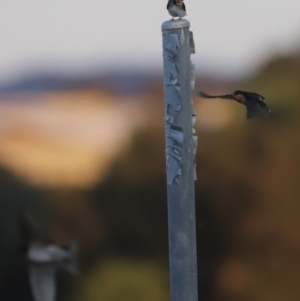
(176, 8)
(44, 257)
(255, 103)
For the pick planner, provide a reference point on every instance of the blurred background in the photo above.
(82, 146)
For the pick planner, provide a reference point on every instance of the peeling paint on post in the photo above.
(181, 145)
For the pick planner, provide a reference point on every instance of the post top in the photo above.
(174, 24)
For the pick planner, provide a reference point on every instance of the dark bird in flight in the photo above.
(255, 103)
(44, 256)
(176, 8)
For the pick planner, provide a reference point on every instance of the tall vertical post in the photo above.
(180, 153)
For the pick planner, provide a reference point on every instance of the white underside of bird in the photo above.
(44, 260)
(47, 253)
(42, 281)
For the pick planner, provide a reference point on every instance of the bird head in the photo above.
(239, 96)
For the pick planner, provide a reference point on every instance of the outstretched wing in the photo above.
(71, 263)
(257, 109)
(42, 281)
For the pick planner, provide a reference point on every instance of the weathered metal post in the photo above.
(181, 146)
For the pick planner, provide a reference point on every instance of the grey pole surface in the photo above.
(180, 152)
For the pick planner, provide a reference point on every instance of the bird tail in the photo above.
(71, 263)
(204, 95)
(228, 96)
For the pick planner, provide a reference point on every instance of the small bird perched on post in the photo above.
(255, 103)
(176, 8)
(44, 256)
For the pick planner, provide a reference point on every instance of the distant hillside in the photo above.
(123, 81)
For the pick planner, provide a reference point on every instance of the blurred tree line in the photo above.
(248, 208)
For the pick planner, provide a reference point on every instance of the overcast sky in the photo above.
(76, 35)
